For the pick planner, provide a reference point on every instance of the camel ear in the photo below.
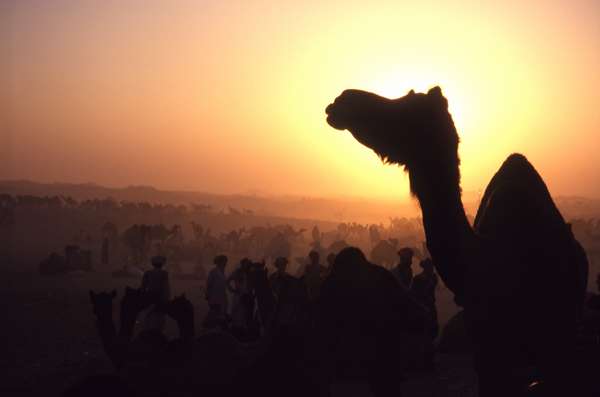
(435, 91)
(411, 92)
(436, 94)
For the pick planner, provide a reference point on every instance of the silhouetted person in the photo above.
(216, 294)
(594, 300)
(156, 282)
(242, 309)
(423, 290)
(278, 279)
(291, 299)
(424, 285)
(403, 271)
(330, 262)
(312, 276)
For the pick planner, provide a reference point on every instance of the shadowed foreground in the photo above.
(56, 343)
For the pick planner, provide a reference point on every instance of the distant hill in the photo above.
(327, 209)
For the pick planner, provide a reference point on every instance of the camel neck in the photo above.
(105, 324)
(186, 328)
(127, 324)
(449, 235)
(108, 335)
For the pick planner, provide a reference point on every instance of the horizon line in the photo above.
(259, 193)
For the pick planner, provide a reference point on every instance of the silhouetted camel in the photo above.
(121, 346)
(385, 252)
(150, 361)
(214, 359)
(517, 273)
(370, 329)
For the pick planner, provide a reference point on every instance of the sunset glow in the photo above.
(230, 96)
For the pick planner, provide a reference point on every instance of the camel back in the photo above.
(516, 175)
(518, 213)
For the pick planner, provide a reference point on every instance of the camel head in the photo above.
(181, 310)
(414, 128)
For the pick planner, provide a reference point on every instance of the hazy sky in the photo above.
(229, 96)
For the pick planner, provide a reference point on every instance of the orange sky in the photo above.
(229, 96)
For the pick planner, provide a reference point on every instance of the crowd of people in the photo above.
(232, 295)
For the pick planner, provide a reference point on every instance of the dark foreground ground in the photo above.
(49, 340)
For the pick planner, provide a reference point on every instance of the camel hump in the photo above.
(518, 216)
(517, 202)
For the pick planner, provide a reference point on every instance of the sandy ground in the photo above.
(49, 338)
